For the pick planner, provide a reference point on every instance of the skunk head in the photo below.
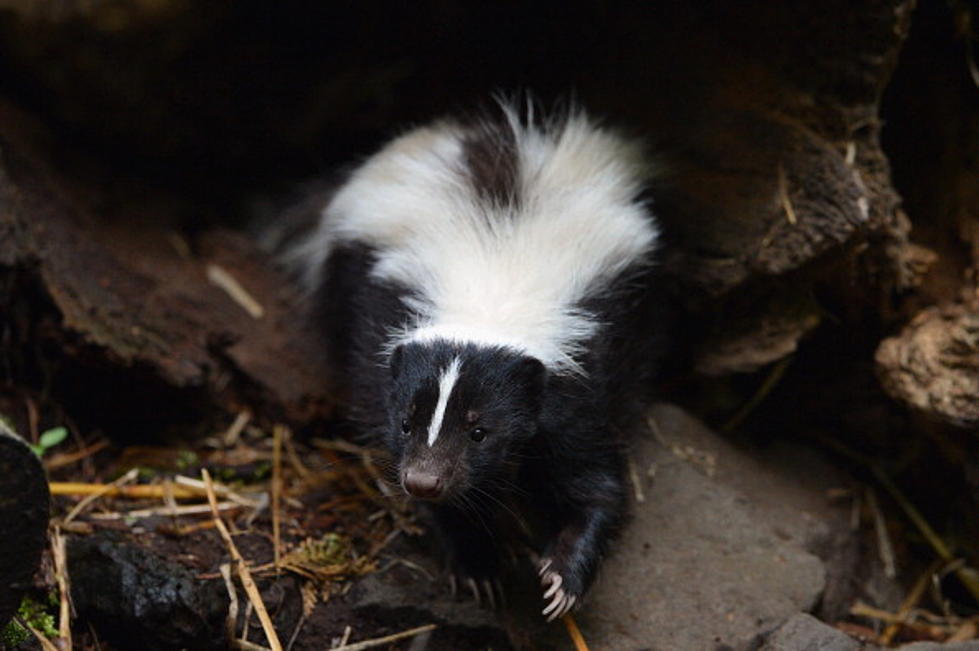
(457, 415)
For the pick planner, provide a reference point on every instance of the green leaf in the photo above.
(52, 437)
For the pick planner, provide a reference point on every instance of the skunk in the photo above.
(484, 288)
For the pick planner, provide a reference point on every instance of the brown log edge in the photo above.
(933, 364)
(139, 309)
(24, 512)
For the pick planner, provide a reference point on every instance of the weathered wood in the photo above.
(24, 505)
(933, 364)
(128, 292)
(777, 184)
(767, 117)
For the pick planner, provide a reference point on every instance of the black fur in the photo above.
(491, 163)
(550, 473)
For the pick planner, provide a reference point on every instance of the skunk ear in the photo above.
(396, 359)
(530, 372)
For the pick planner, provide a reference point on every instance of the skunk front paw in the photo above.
(560, 596)
(486, 590)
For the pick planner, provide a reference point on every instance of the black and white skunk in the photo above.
(485, 290)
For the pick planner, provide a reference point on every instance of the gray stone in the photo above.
(806, 633)
(716, 555)
(969, 645)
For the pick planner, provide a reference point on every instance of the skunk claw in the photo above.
(487, 592)
(560, 602)
(552, 608)
(556, 581)
(474, 589)
(490, 593)
(544, 564)
(561, 605)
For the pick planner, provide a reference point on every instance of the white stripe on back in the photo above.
(446, 383)
(513, 275)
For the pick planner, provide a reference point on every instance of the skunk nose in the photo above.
(423, 484)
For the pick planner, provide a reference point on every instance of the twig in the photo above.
(966, 575)
(94, 636)
(909, 602)
(884, 546)
(231, 623)
(766, 387)
(180, 488)
(64, 595)
(295, 632)
(855, 511)
(657, 432)
(190, 509)
(230, 437)
(387, 540)
(309, 597)
(914, 515)
(277, 434)
(115, 486)
(969, 630)
(636, 482)
(783, 195)
(347, 630)
(140, 491)
(861, 609)
(67, 458)
(381, 641)
(222, 491)
(220, 278)
(32, 420)
(243, 575)
(246, 622)
(575, 633)
(179, 245)
(294, 459)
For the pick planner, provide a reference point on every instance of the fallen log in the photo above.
(24, 506)
(933, 364)
(135, 312)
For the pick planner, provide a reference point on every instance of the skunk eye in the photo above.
(477, 434)
(405, 426)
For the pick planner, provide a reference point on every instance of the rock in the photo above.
(717, 554)
(969, 645)
(24, 503)
(133, 594)
(403, 598)
(806, 633)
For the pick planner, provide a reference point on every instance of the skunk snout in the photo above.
(424, 485)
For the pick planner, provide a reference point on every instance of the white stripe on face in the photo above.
(446, 383)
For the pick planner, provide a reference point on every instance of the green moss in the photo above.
(187, 459)
(35, 614)
(13, 635)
